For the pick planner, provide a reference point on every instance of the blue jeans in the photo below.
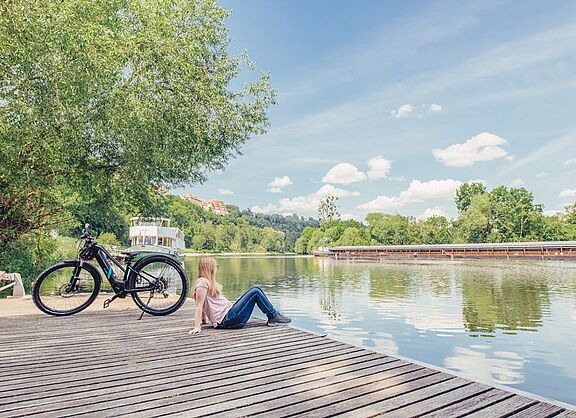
(240, 312)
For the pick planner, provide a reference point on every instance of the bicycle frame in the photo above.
(102, 255)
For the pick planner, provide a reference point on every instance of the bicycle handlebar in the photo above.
(86, 232)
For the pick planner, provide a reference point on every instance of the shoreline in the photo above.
(194, 254)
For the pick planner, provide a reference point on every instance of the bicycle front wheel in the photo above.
(66, 288)
(158, 285)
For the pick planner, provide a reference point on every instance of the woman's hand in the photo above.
(194, 331)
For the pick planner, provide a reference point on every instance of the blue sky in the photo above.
(391, 105)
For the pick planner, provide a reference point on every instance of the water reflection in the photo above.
(501, 367)
(493, 321)
(502, 300)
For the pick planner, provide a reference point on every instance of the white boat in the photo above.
(155, 235)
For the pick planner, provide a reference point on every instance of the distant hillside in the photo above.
(236, 231)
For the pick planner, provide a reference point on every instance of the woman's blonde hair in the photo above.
(207, 269)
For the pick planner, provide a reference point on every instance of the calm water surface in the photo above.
(497, 322)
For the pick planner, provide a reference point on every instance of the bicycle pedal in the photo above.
(107, 302)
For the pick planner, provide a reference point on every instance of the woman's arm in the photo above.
(199, 296)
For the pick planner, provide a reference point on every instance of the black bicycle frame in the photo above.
(120, 286)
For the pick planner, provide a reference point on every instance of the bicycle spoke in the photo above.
(167, 281)
(59, 295)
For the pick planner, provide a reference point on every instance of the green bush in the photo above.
(108, 238)
(31, 255)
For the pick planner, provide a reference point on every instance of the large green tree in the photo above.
(466, 193)
(103, 100)
(512, 214)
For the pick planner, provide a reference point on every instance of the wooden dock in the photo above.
(108, 363)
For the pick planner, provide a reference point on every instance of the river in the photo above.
(497, 322)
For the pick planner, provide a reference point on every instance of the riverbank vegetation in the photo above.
(500, 215)
(101, 103)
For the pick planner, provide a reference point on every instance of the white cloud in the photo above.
(397, 178)
(344, 173)
(378, 167)
(571, 161)
(383, 203)
(431, 212)
(328, 189)
(552, 212)
(542, 174)
(482, 147)
(504, 368)
(278, 184)
(434, 189)
(225, 191)
(304, 204)
(269, 208)
(403, 111)
(517, 182)
(568, 193)
(436, 108)
(408, 110)
(348, 217)
(417, 191)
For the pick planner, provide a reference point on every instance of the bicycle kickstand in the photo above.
(142, 314)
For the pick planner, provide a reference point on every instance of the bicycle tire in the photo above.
(51, 273)
(180, 283)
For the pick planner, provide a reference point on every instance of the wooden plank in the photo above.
(155, 399)
(230, 375)
(437, 402)
(382, 406)
(109, 364)
(39, 379)
(123, 384)
(539, 410)
(199, 382)
(98, 338)
(145, 349)
(199, 372)
(227, 361)
(223, 361)
(247, 401)
(136, 371)
(505, 408)
(471, 404)
(171, 343)
(349, 397)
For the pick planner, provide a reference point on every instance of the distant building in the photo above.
(218, 206)
(193, 198)
(214, 205)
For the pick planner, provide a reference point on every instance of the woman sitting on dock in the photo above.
(211, 303)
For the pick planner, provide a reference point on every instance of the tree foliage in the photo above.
(327, 209)
(238, 231)
(103, 100)
(500, 215)
(466, 193)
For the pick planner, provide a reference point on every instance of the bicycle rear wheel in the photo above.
(163, 285)
(66, 288)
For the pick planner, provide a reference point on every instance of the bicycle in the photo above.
(71, 286)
